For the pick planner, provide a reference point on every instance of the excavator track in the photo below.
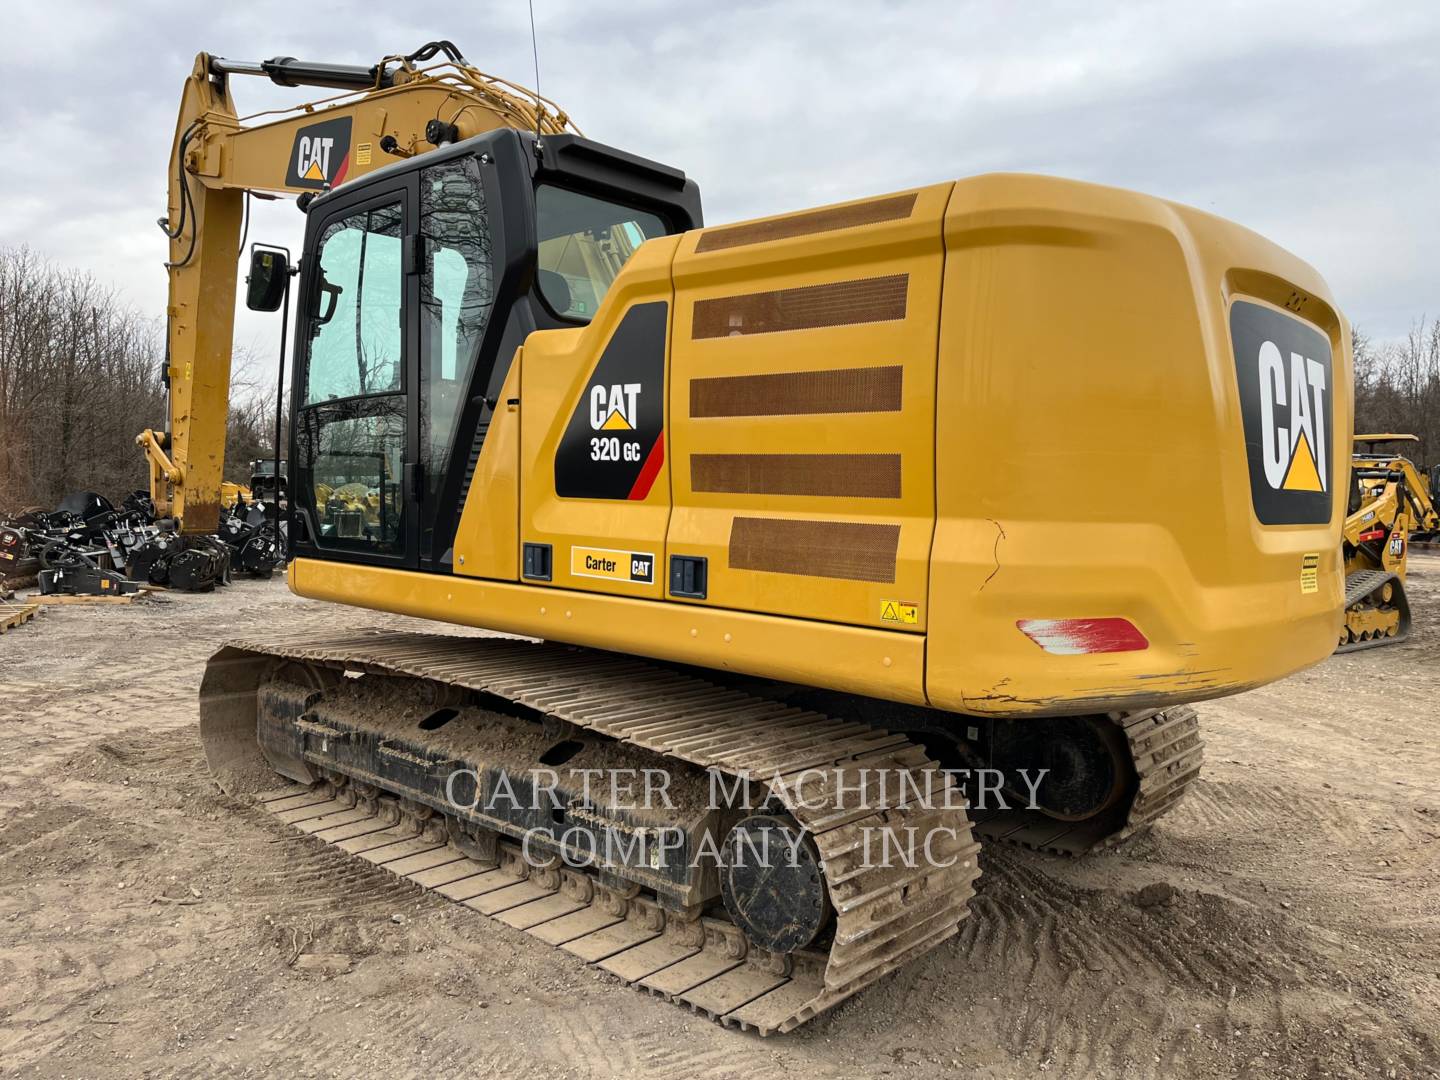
(1166, 753)
(883, 915)
(1372, 620)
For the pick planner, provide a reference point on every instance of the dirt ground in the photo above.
(148, 923)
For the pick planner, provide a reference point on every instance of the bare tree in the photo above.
(1397, 386)
(81, 376)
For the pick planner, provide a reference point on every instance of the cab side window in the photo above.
(584, 241)
(457, 294)
(356, 317)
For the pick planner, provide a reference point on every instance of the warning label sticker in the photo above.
(899, 611)
(1310, 572)
(633, 566)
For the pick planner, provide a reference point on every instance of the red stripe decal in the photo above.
(1069, 637)
(340, 172)
(651, 469)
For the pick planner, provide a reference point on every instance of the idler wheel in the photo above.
(772, 884)
(1086, 761)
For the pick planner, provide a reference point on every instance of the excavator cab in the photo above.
(421, 281)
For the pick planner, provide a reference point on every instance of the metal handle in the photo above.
(387, 748)
(312, 726)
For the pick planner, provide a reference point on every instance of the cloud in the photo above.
(1312, 126)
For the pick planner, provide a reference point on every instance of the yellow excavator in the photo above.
(719, 492)
(1391, 502)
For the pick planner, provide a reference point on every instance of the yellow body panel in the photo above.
(1068, 428)
(874, 662)
(827, 451)
(487, 539)
(1085, 353)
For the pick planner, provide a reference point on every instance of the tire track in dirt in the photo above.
(1076, 963)
(1246, 813)
(293, 872)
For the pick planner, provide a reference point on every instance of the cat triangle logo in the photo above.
(314, 173)
(1294, 412)
(1303, 475)
(616, 422)
(615, 407)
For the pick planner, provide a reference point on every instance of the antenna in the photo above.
(535, 53)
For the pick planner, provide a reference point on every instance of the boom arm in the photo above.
(1375, 519)
(389, 111)
(1393, 486)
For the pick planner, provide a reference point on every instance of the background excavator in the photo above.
(1391, 504)
(727, 476)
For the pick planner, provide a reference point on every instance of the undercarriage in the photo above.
(754, 859)
(1377, 611)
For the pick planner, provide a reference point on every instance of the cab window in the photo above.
(584, 241)
(355, 308)
(351, 428)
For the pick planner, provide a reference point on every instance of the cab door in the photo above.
(356, 432)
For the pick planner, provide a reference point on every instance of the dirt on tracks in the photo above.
(1284, 921)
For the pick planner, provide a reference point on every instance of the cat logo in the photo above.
(1295, 390)
(1285, 377)
(312, 161)
(320, 155)
(614, 407)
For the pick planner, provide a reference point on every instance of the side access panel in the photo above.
(486, 543)
(596, 487)
(803, 413)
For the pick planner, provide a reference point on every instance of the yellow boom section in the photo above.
(219, 155)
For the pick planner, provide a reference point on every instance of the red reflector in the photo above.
(1373, 534)
(1072, 637)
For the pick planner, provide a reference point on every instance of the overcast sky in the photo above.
(1316, 124)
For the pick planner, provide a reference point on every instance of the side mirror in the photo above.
(269, 275)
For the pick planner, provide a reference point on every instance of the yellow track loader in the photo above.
(720, 487)
(1391, 502)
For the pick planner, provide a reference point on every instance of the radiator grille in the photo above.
(843, 303)
(797, 393)
(849, 550)
(859, 476)
(815, 221)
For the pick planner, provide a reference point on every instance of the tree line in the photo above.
(81, 376)
(1397, 388)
